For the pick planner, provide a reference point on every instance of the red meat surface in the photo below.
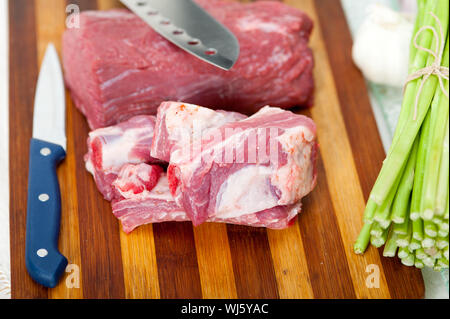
(117, 67)
(110, 148)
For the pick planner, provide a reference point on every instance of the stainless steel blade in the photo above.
(189, 27)
(49, 119)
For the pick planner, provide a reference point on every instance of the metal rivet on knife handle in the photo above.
(44, 197)
(42, 252)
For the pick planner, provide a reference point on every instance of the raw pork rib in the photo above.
(259, 192)
(117, 67)
(111, 147)
(158, 206)
(179, 123)
(136, 179)
(260, 163)
(154, 206)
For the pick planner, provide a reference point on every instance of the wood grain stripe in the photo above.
(290, 263)
(214, 261)
(341, 174)
(367, 149)
(177, 260)
(101, 258)
(109, 4)
(138, 248)
(99, 237)
(324, 250)
(178, 270)
(252, 262)
(139, 264)
(84, 4)
(23, 76)
(50, 17)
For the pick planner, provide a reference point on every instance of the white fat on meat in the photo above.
(186, 125)
(161, 190)
(188, 121)
(295, 179)
(89, 166)
(251, 23)
(134, 181)
(245, 192)
(118, 146)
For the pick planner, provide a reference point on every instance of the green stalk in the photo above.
(403, 252)
(402, 229)
(419, 169)
(420, 253)
(439, 119)
(443, 228)
(418, 60)
(384, 212)
(369, 212)
(446, 208)
(430, 228)
(418, 229)
(421, 11)
(433, 252)
(442, 262)
(443, 184)
(415, 244)
(428, 242)
(402, 198)
(390, 248)
(413, 182)
(363, 239)
(427, 40)
(442, 242)
(402, 145)
(379, 241)
(393, 165)
(419, 264)
(405, 240)
(408, 260)
(428, 261)
(443, 233)
(376, 230)
(437, 220)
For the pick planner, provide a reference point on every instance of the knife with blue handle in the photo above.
(44, 262)
(191, 28)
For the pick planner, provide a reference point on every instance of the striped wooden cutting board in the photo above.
(312, 259)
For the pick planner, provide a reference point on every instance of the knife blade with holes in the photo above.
(191, 28)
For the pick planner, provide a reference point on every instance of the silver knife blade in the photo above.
(49, 118)
(191, 28)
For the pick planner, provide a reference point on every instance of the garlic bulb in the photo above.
(381, 46)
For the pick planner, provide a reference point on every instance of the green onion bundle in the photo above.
(408, 208)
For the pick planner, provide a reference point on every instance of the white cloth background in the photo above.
(4, 172)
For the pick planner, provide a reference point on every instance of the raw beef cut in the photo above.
(111, 147)
(259, 190)
(158, 206)
(179, 123)
(117, 67)
(154, 206)
(136, 180)
(244, 167)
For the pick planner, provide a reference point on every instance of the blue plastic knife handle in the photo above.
(44, 262)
